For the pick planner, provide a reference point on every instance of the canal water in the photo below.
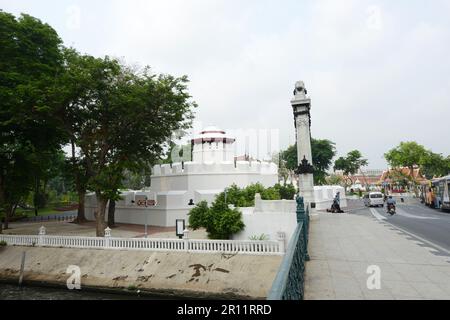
(13, 292)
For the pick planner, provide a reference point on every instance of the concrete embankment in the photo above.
(171, 274)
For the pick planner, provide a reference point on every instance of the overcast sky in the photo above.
(378, 72)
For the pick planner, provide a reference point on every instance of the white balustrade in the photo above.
(148, 244)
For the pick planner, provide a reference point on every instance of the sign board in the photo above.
(181, 225)
(146, 203)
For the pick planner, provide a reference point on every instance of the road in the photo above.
(421, 222)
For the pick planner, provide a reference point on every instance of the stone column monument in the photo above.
(301, 105)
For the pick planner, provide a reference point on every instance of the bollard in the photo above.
(107, 237)
(281, 238)
(186, 239)
(42, 233)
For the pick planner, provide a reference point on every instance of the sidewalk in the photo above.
(343, 246)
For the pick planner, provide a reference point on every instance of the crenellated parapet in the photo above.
(192, 168)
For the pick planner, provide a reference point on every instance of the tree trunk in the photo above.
(36, 196)
(413, 180)
(111, 211)
(100, 218)
(8, 212)
(81, 216)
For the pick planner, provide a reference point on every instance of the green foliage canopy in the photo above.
(323, 152)
(30, 61)
(410, 154)
(351, 164)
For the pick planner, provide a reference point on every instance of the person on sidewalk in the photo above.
(336, 207)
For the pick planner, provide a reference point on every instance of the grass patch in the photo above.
(30, 212)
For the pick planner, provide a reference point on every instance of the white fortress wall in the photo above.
(152, 216)
(207, 176)
(269, 217)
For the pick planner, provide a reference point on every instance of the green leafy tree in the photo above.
(407, 154)
(177, 153)
(120, 119)
(290, 156)
(435, 165)
(30, 61)
(323, 152)
(335, 180)
(351, 164)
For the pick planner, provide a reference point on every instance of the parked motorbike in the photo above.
(335, 208)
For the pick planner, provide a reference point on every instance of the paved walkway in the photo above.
(87, 229)
(343, 246)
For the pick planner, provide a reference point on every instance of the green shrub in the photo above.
(287, 191)
(262, 237)
(198, 215)
(223, 222)
(3, 244)
(220, 221)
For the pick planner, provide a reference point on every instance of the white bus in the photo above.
(442, 187)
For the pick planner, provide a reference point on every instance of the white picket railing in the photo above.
(149, 244)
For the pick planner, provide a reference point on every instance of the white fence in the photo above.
(149, 244)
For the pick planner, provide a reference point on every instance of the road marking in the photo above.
(432, 244)
(377, 215)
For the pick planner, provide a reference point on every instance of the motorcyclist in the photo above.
(390, 203)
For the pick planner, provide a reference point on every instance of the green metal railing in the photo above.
(290, 282)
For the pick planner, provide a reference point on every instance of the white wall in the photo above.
(269, 217)
(269, 224)
(324, 196)
(141, 216)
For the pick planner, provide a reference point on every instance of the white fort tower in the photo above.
(176, 187)
(212, 145)
(213, 168)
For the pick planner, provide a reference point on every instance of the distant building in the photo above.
(364, 179)
(398, 179)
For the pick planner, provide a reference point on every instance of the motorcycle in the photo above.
(335, 208)
(391, 209)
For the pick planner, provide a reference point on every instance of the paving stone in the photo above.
(349, 244)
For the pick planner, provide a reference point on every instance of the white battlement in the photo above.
(241, 167)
